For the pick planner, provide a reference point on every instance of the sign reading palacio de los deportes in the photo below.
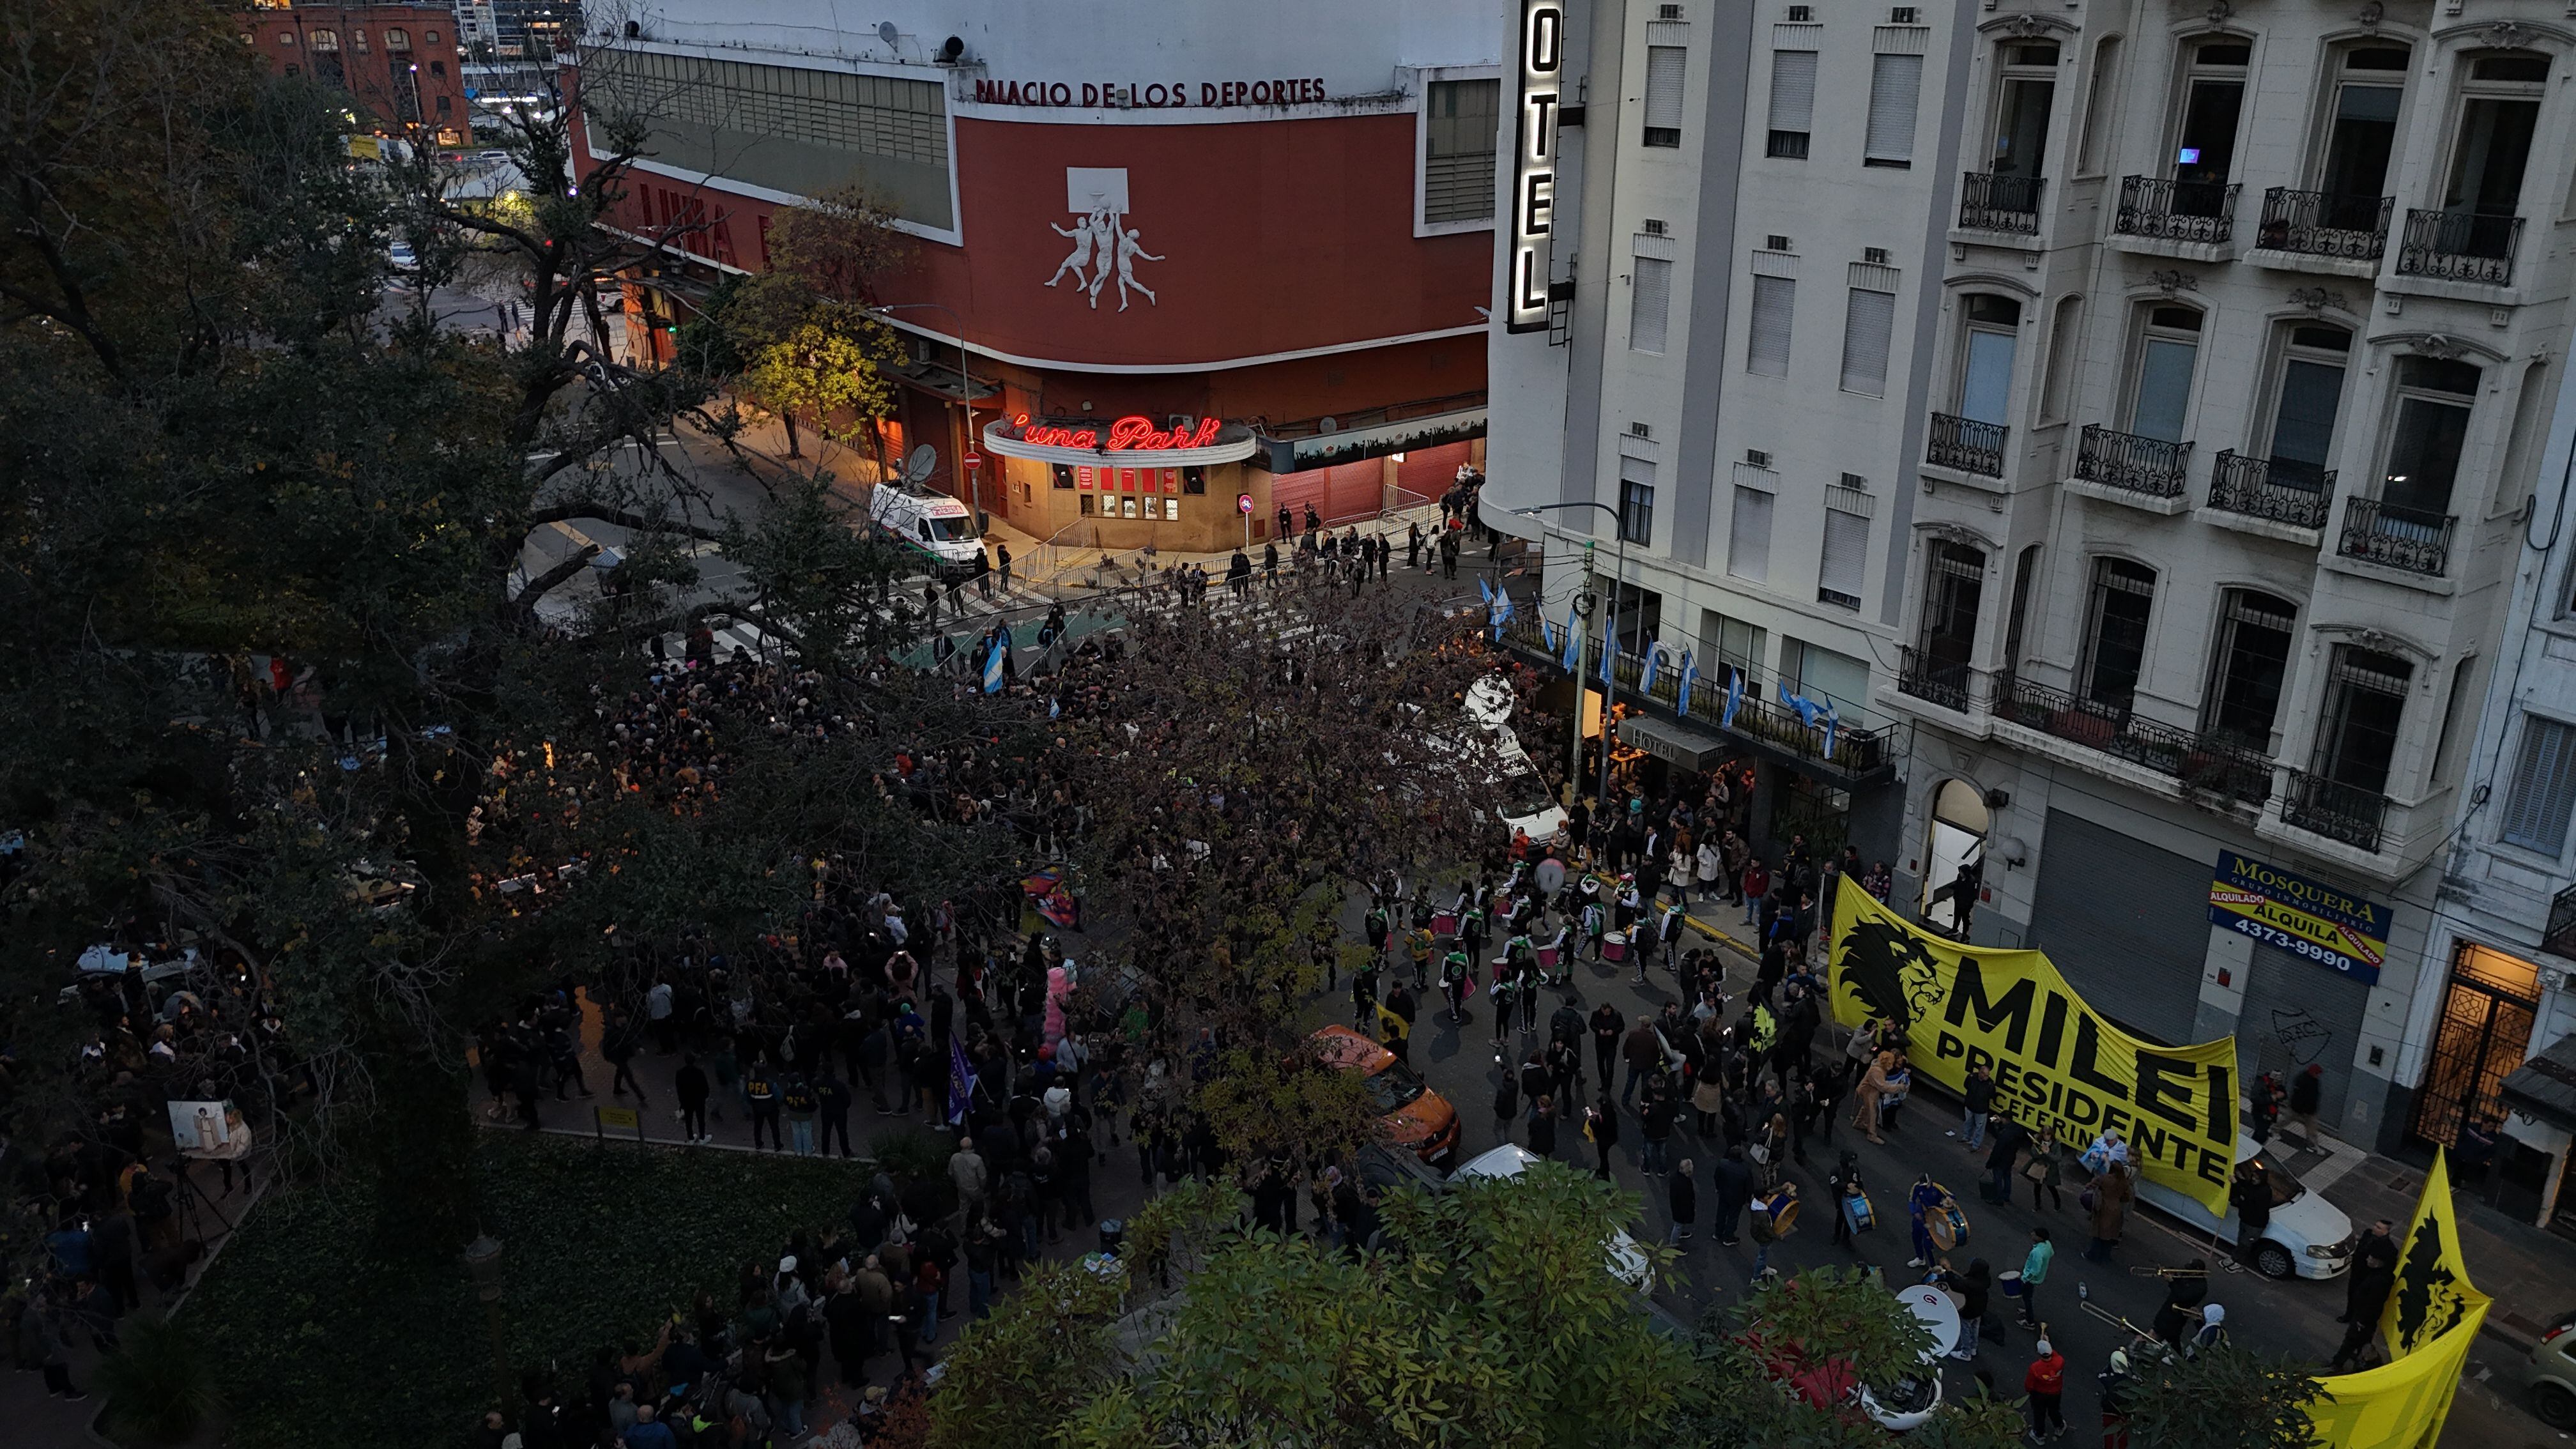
(1117, 95)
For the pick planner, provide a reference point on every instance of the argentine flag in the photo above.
(1646, 676)
(1734, 698)
(1690, 677)
(993, 666)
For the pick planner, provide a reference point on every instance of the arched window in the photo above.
(397, 39)
(326, 40)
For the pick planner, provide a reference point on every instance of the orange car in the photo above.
(1416, 1116)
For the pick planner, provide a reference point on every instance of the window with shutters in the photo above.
(1664, 95)
(1869, 325)
(2544, 787)
(1895, 88)
(1650, 304)
(1846, 557)
(1793, 103)
(2115, 639)
(1459, 119)
(2365, 705)
(1775, 299)
(1636, 500)
(2256, 633)
(1748, 543)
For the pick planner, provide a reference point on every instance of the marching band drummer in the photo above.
(1925, 1200)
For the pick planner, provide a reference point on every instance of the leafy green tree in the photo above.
(826, 365)
(1493, 1320)
(1789, 1362)
(2224, 1397)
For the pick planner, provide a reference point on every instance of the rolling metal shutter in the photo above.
(1748, 541)
(1793, 89)
(2127, 923)
(1846, 557)
(1650, 305)
(2297, 1012)
(1775, 303)
(1664, 87)
(1869, 326)
(1895, 84)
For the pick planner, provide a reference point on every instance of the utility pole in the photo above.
(1581, 623)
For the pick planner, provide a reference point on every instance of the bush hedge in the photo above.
(319, 1345)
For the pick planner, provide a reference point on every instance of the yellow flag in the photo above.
(2054, 1059)
(2433, 1293)
(2399, 1405)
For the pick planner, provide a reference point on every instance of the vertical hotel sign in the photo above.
(1542, 93)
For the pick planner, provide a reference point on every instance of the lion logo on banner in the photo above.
(1891, 973)
(2429, 1300)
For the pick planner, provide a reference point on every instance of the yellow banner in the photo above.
(2432, 1318)
(2398, 1405)
(2433, 1292)
(2053, 1058)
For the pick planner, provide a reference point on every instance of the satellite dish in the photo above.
(1550, 876)
(1329, 425)
(917, 466)
(886, 31)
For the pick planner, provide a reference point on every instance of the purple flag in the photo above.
(961, 1080)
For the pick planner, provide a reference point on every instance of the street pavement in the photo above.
(2295, 1318)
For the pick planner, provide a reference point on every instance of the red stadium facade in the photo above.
(1277, 273)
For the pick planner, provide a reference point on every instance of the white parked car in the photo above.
(1627, 1260)
(402, 258)
(937, 527)
(2308, 1237)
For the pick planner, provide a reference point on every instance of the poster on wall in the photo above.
(2054, 1059)
(2305, 917)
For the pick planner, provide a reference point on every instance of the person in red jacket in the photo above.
(2045, 1383)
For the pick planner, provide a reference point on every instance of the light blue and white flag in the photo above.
(1654, 660)
(1573, 638)
(1502, 606)
(993, 667)
(1734, 698)
(1690, 680)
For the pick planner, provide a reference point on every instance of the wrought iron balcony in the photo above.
(2275, 489)
(2560, 937)
(2150, 466)
(2459, 245)
(1948, 683)
(2335, 810)
(2325, 224)
(2197, 761)
(2188, 211)
(1967, 445)
(1989, 202)
(2402, 538)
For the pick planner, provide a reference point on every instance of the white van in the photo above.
(937, 527)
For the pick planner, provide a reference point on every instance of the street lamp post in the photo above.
(1610, 675)
(965, 391)
(483, 1264)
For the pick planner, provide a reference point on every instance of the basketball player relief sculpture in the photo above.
(1105, 248)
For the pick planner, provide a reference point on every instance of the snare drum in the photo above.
(1614, 946)
(1547, 956)
(1444, 923)
(1857, 1215)
(2009, 1281)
